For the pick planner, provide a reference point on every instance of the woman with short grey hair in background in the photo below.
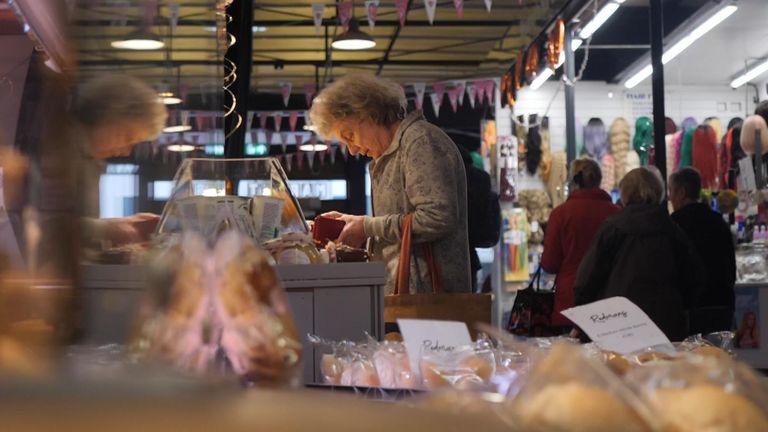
(416, 169)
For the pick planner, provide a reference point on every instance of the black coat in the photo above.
(712, 240)
(641, 254)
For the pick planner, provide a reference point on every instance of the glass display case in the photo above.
(250, 195)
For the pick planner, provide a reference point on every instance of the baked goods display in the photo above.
(219, 309)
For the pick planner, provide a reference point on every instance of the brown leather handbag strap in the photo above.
(402, 285)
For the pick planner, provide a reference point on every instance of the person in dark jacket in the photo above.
(711, 237)
(571, 228)
(641, 254)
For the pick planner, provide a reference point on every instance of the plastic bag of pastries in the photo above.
(393, 366)
(568, 391)
(219, 309)
(703, 394)
(719, 344)
(468, 367)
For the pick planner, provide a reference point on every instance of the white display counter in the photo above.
(334, 301)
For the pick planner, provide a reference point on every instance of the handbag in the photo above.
(439, 305)
(532, 311)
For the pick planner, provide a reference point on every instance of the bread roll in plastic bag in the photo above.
(469, 367)
(219, 310)
(704, 394)
(567, 391)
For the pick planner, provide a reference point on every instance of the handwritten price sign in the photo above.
(431, 336)
(617, 324)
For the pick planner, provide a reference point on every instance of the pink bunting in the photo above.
(299, 138)
(419, 89)
(322, 156)
(309, 93)
(293, 120)
(317, 15)
(453, 97)
(345, 13)
(263, 120)
(278, 119)
(199, 121)
(439, 88)
(460, 90)
(402, 10)
(480, 90)
(372, 11)
(268, 136)
(300, 160)
(285, 92)
(472, 89)
(489, 86)
(459, 5)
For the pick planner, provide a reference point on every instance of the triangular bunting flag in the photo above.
(300, 160)
(317, 15)
(435, 104)
(199, 121)
(173, 12)
(472, 90)
(248, 138)
(289, 161)
(488, 4)
(278, 118)
(459, 5)
(293, 120)
(402, 10)
(249, 120)
(285, 92)
(461, 88)
(430, 6)
(480, 90)
(311, 159)
(268, 136)
(309, 93)
(439, 89)
(372, 10)
(453, 97)
(263, 120)
(344, 151)
(287, 138)
(489, 91)
(419, 89)
(345, 13)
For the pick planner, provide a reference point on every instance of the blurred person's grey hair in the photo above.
(640, 186)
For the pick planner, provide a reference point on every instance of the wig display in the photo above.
(521, 133)
(545, 165)
(716, 125)
(735, 121)
(608, 167)
(670, 147)
(689, 123)
(643, 140)
(619, 140)
(533, 150)
(595, 139)
(704, 155)
(751, 125)
(670, 127)
(579, 139)
(633, 161)
(686, 155)
(677, 144)
(557, 178)
(731, 154)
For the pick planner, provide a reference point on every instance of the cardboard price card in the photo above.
(431, 335)
(617, 324)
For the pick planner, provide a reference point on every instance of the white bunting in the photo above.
(472, 90)
(278, 119)
(461, 87)
(419, 89)
(372, 11)
(285, 92)
(430, 6)
(173, 11)
(318, 9)
(488, 5)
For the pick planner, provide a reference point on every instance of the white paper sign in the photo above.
(429, 335)
(617, 324)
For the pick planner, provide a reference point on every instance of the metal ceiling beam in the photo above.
(310, 23)
(341, 63)
(392, 41)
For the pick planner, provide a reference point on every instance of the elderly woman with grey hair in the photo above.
(416, 169)
(641, 254)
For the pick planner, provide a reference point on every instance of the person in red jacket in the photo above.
(570, 231)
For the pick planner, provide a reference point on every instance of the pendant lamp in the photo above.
(353, 38)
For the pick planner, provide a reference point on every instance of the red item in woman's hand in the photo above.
(326, 229)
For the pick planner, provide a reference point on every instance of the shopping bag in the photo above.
(532, 311)
(465, 307)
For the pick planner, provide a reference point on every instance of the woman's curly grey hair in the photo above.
(641, 186)
(358, 96)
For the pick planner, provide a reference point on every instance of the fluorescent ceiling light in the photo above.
(254, 29)
(313, 147)
(353, 39)
(182, 147)
(141, 40)
(750, 75)
(600, 18)
(168, 98)
(177, 128)
(575, 44)
(680, 46)
(542, 78)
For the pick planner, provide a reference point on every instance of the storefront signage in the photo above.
(616, 324)
(432, 336)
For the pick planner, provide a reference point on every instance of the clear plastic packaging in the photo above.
(699, 393)
(751, 263)
(219, 310)
(567, 391)
(465, 368)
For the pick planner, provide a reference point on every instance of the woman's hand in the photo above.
(353, 233)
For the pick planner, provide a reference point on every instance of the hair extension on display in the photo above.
(670, 126)
(533, 152)
(633, 161)
(751, 125)
(677, 144)
(686, 156)
(704, 155)
(670, 150)
(689, 123)
(546, 156)
(520, 132)
(716, 125)
(643, 140)
(619, 139)
(595, 139)
(557, 178)
(607, 165)
(735, 121)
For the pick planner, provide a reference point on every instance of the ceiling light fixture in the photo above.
(353, 38)
(542, 78)
(177, 128)
(600, 18)
(168, 98)
(140, 40)
(750, 75)
(716, 18)
(181, 147)
(313, 147)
